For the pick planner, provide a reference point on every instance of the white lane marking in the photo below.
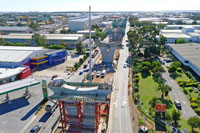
(171, 80)
(184, 102)
(115, 103)
(124, 103)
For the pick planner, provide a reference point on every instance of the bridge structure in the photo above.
(81, 104)
(107, 49)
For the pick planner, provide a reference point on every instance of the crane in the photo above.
(27, 17)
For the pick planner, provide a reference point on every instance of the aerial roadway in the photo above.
(121, 121)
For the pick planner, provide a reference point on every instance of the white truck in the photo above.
(51, 106)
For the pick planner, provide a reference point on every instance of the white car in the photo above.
(81, 72)
(98, 74)
(124, 66)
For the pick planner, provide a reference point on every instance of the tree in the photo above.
(194, 122)
(40, 40)
(79, 47)
(194, 22)
(63, 31)
(176, 116)
(56, 46)
(1, 41)
(164, 88)
(162, 40)
(34, 26)
(180, 41)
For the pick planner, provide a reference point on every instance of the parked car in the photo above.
(35, 129)
(177, 104)
(174, 130)
(98, 74)
(81, 72)
(54, 76)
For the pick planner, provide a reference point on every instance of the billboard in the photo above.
(160, 107)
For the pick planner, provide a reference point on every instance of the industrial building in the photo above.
(70, 39)
(12, 57)
(191, 33)
(188, 55)
(47, 58)
(82, 23)
(18, 62)
(15, 29)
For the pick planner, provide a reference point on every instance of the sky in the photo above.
(98, 5)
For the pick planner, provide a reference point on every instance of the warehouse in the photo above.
(12, 57)
(70, 39)
(47, 58)
(83, 22)
(188, 55)
(11, 74)
(14, 29)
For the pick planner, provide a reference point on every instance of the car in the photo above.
(81, 72)
(174, 130)
(54, 76)
(98, 74)
(177, 104)
(35, 129)
(124, 66)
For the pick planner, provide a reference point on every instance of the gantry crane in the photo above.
(27, 17)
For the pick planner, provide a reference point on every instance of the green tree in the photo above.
(56, 46)
(180, 41)
(63, 31)
(34, 26)
(164, 88)
(79, 47)
(194, 22)
(40, 40)
(162, 40)
(2, 41)
(176, 116)
(194, 122)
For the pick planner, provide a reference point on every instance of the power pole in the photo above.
(90, 73)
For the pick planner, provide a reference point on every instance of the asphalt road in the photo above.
(121, 122)
(177, 94)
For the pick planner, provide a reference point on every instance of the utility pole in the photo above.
(90, 73)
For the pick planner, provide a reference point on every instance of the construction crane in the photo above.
(27, 17)
(61, 18)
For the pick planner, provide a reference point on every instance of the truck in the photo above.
(51, 106)
(96, 51)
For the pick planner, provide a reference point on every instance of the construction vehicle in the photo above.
(27, 17)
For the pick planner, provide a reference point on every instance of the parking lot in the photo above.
(61, 69)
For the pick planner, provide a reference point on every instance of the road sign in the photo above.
(160, 107)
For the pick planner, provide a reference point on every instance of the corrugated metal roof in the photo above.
(14, 55)
(14, 28)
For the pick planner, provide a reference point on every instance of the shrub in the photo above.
(197, 110)
(194, 100)
(194, 105)
(179, 69)
(185, 91)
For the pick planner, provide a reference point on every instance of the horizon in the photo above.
(98, 6)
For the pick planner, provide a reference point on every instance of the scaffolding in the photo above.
(80, 106)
